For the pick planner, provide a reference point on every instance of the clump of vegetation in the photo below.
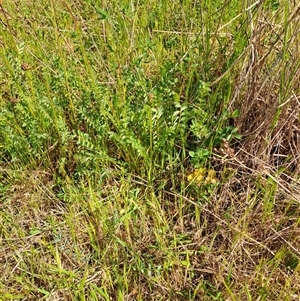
(149, 150)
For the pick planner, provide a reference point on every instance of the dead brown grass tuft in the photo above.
(268, 94)
(257, 211)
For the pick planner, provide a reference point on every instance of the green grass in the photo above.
(107, 109)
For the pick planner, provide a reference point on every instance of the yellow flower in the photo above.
(200, 178)
(214, 180)
(200, 171)
(207, 180)
(211, 173)
(199, 175)
(190, 177)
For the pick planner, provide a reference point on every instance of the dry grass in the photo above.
(240, 244)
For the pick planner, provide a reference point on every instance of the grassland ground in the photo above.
(149, 150)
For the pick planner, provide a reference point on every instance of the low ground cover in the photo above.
(149, 150)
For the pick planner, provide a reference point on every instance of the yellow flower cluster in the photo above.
(203, 176)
